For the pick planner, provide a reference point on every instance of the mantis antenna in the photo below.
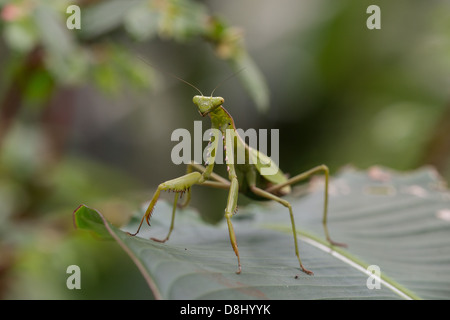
(226, 79)
(190, 84)
(172, 75)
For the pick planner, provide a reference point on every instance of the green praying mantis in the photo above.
(246, 177)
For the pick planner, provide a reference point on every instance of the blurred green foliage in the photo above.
(84, 120)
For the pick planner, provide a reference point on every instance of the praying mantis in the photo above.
(247, 176)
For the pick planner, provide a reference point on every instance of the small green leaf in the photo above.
(90, 219)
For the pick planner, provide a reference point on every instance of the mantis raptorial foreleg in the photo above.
(303, 176)
(181, 184)
(219, 182)
(191, 166)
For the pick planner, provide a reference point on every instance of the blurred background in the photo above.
(83, 119)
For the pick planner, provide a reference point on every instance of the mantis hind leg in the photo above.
(303, 176)
(285, 203)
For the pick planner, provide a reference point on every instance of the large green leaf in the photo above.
(398, 222)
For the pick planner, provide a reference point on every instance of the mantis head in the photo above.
(204, 104)
(207, 104)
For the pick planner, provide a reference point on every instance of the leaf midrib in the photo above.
(347, 258)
